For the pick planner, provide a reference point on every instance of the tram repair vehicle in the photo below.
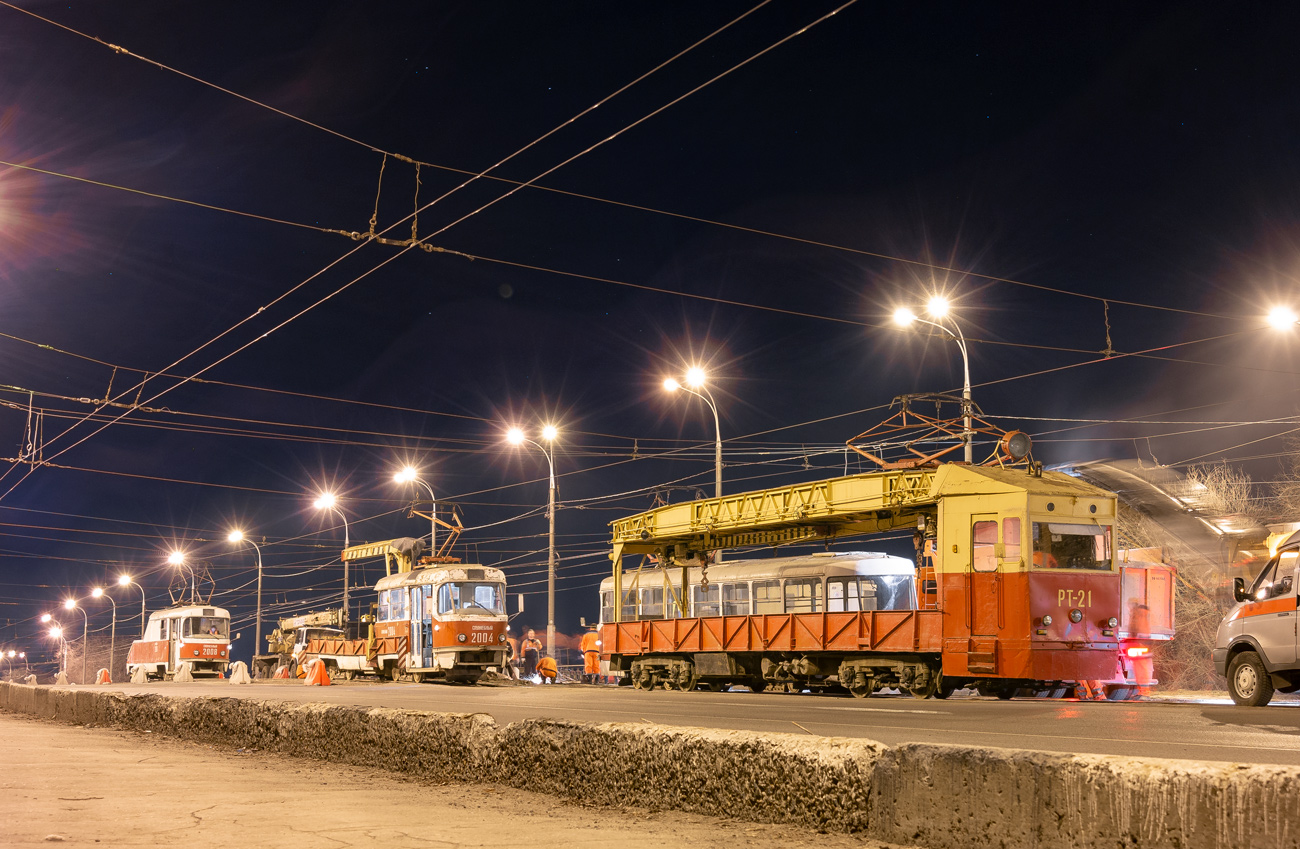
(1017, 588)
(436, 618)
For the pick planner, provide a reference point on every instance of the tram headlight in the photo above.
(1112, 622)
(1076, 615)
(1047, 620)
(460, 638)
(501, 638)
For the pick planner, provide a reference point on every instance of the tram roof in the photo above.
(190, 610)
(440, 572)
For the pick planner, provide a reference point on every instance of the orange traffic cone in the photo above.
(102, 677)
(281, 672)
(316, 675)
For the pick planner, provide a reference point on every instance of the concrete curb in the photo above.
(928, 795)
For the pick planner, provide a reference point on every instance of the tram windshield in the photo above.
(1069, 546)
(205, 626)
(473, 596)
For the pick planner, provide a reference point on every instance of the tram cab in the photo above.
(452, 618)
(198, 635)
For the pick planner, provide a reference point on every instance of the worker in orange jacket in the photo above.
(532, 652)
(548, 670)
(590, 646)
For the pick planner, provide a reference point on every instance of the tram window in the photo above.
(399, 606)
(629, 606)
(205, 626)
(1070, 546)
(652, 603)
(470, 596)
(1011, 537)
(984, 535)
(735, 599)
(767, 597)
(163, 632)
(706, 601)
(803, 595)
(385, 614)
(850, 595)
(607, 607)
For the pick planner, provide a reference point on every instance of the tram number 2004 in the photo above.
(1074, 598)
(481, 637)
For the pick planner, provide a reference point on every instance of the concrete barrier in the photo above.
(926, 795)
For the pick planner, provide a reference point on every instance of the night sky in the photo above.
(1037, 164)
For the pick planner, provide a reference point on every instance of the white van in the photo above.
(1256, 644)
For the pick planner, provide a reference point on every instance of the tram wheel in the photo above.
(947, 686)
(926, 691)
(862, 688)
(757, 685)
(1005, 693)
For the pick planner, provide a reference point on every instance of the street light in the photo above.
(410, 475)
(71, 604)
(56, 633)
(938, 309)
(695, 386)
(327, 501)
(98, 592)
(515, 436)
(1282, 318)
(177, 558)
(238, 536)
(125, 581)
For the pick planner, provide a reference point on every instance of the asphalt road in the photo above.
(1201, 730)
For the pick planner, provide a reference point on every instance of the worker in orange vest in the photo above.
(548, 670)
(532, 651)
(590, 646)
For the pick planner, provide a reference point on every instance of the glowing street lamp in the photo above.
(409, 474)
(237, 536)
(71, 604)
(177, 558)
(1282, 318)
(515, 436)
(938, 308)
(98, 592)
(125, 581)
(327, 501)
(56, 633)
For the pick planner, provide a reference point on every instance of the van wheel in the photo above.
(1249, 683)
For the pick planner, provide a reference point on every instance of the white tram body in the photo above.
(831, 582)
(195, 634)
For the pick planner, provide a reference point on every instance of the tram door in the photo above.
(983, 575)
(426, 625)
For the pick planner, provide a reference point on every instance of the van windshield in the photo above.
(205, 626)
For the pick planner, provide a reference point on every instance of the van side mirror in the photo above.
(1239, 589)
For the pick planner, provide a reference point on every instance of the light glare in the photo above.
(671, 385)
(695, 377)
(70, 604)
(176, 558)
(124, 580)
(235, 536)
(45, 617)
(325, 502)
(515, 436)
(56, 633)
(406, 475)
(549, 433)
(97, 592)
(1282, 318)
(938, 306)
(903, 316)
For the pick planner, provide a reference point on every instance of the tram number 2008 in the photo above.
(1074, 598)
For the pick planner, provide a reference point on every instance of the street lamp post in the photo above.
(98, 592)
(515, 436)
(938, 308)
(56, 633)
(71, 604)
(238, 536)
(125, 581)
(327, 501)
(695, 385)
(410, 475)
